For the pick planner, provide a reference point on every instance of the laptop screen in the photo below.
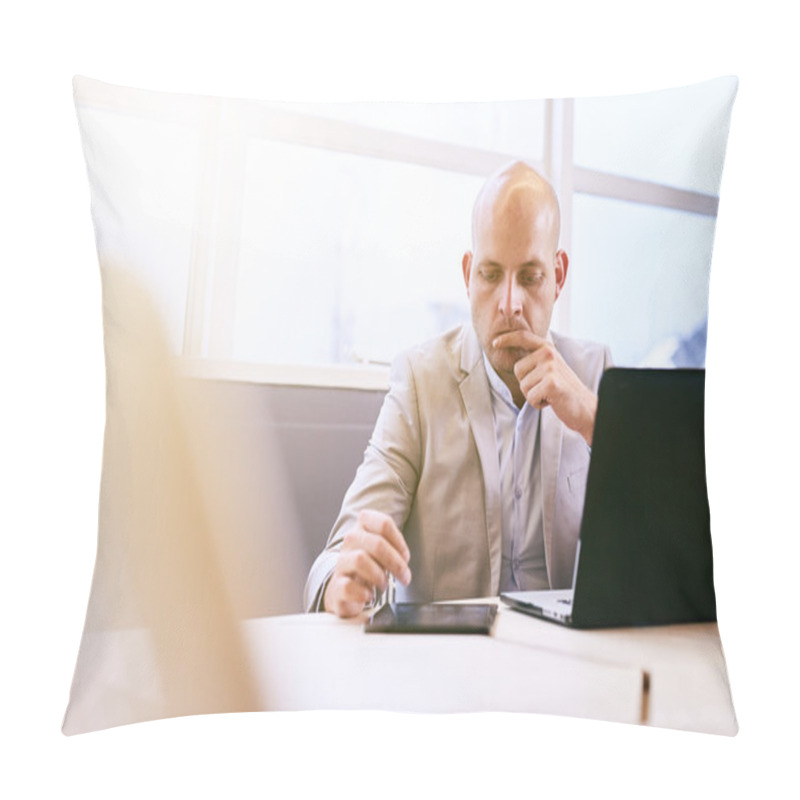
(645, 551)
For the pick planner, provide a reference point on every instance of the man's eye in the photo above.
(490, 275)
(532, 279)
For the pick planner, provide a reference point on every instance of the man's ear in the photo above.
(466, 268)
(562, 265)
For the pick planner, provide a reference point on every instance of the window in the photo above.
(650, 265)
(329, 237)
(359, 257)
(150, 217)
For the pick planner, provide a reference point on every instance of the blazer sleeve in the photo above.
(387, 478)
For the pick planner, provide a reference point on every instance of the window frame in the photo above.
(228, 124)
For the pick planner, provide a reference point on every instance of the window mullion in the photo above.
(559, 169)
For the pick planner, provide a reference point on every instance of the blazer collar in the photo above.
(471, 351)
(474, 387)
(551, 433)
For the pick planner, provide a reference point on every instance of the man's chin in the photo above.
(506, 358)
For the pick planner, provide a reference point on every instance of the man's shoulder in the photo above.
(440, 355)
(586, 358)
(578, 349)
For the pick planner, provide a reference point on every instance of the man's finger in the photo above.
(538, 385)
(370, 556)
(537, 399)
(387, 557)
(537, 364)
(518, 340)
(346, 596)
(383, 525)
(360, 565)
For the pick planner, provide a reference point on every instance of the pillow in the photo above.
(261, 265)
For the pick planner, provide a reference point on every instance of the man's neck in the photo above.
(516, 391)
(510, 381)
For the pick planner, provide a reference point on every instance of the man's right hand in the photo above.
(373, 548)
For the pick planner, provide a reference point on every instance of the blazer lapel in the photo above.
(475, 393)
(551, 431)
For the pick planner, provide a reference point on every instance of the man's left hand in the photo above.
(545, 379)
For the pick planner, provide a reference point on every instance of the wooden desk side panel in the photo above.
(689, 687)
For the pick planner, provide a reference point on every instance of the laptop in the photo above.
(644, 554)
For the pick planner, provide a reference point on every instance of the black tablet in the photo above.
(432, 618)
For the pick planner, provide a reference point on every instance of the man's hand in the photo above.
(373, 548)
(546, 380)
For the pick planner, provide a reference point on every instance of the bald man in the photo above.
(474, 478)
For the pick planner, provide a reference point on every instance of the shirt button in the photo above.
(518, 493)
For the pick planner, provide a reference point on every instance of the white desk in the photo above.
(670, 676)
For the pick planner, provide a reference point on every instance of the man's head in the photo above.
(515, 271)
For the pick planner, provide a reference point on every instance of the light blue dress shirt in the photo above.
(517, 434)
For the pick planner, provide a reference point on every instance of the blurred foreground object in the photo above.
(174, 576)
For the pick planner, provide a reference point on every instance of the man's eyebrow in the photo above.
(535, 264)
(487, 262)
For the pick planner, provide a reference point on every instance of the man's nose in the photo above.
(510, 297)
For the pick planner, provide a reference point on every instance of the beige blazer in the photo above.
(432, 465)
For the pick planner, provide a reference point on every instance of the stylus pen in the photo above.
(390, 589)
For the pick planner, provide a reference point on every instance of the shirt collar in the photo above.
(498, 387)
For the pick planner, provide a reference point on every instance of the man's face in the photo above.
(513, 277)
